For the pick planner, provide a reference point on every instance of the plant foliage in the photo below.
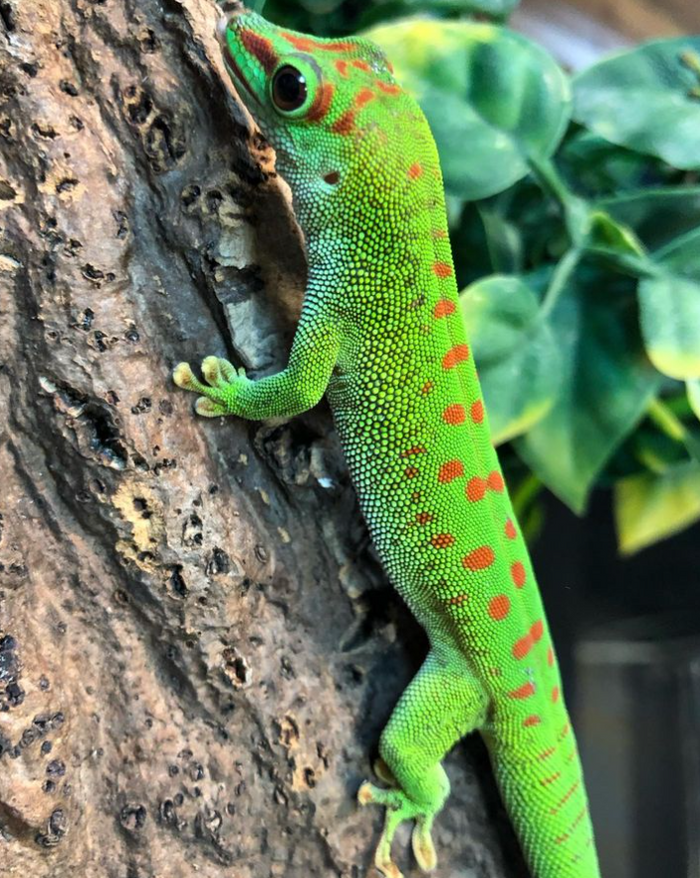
(575, 221)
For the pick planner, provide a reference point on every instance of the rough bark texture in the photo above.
(198, 649)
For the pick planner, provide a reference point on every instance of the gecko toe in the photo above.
(423, 847)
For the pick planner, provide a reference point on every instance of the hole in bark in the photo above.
(66, 184)
(7, 15)
(7, 192)
(177, 582)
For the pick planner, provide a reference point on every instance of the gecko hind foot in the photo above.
(398, 809)
(218, 395)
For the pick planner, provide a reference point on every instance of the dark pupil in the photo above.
(289, 89)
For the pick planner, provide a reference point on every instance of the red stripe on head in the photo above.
(388, 89)
(345, 125)
(308, 44)
(322, 103)
(261, 48)
(364, 96)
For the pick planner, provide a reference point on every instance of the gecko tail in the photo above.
(545, 797)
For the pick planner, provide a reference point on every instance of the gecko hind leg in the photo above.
(443, 702)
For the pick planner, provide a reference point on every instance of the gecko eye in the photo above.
(289, 89)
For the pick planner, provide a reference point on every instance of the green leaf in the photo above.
(493, 99)
(650, 507)
(670, 309)
(646, 99)
(658, 216)
(594, 167)
(515, 351)
(693, 387)
(606, 385)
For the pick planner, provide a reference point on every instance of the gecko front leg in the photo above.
(290, 392)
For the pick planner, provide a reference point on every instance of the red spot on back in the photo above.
(476, 489)
(427, 387)
(479, 559)
(532, 721)
(477, 411)
(444, 308)
(537, 630)
(458, 354)
(342, 68)
(424, 517)
(450, 471)
(439, 233)
(547, 753)
(442, 541)
(517, 573)
(345, 124)
(523, 646)
(454, 414)
(361, 65)
(415, 171)
(322, 103)
(499, 607)
(261, 48)
(511, 532)
(555, 694)
(495, 480)
(410, 472)
(550, 656)
(442, 269)
(459, 599)
(527, 690)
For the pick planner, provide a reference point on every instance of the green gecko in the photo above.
(381, 334)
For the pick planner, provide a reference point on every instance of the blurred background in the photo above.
(629, 628)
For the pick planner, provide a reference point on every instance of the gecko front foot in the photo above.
(219, 394)
(399, 808)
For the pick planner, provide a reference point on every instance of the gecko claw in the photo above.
(399, 808)
(423, 847)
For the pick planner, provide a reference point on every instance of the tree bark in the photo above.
(198, 648)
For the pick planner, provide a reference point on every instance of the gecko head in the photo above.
(312, 98)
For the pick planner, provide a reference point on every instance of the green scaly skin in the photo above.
(381, 334)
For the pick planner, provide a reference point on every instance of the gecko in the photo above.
(381, 334)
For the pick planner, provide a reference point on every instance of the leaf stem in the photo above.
(563, 271)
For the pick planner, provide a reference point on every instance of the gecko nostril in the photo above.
(332, 178)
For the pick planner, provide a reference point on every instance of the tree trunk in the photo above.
(198, 648)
